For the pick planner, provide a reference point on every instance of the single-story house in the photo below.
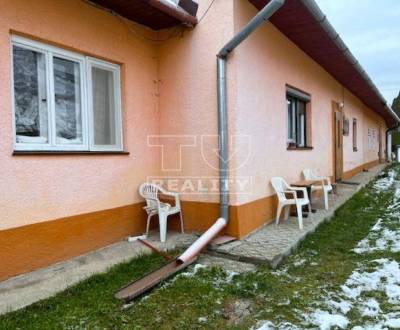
(99, 96)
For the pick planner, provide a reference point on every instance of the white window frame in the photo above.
(85, 65)
(293, 122)
(355, 134)
(80, 60)
(93, 62)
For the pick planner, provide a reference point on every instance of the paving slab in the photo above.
(272, 243)
(228, 265)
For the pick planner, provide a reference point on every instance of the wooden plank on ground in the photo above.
(147, 282)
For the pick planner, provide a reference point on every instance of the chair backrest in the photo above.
(309, 174)
(279, 185)
(149, 191)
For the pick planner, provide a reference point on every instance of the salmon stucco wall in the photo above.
(371, 144)
(169, 106)
(265, 63)
(188, 100)
(367, 151)
(353, 109)
(188, 113)
(40, 188)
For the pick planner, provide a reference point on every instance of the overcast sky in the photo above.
(371, 29)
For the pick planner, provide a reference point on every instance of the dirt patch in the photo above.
(237, 310)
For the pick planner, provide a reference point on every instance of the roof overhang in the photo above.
(155, 14)
(305, 25)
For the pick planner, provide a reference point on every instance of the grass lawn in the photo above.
(305, 291)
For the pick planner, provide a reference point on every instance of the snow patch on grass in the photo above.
(370, 282)
(385, 183)
(325, 320)
(202, 319)
(379, 240)
(299, 263)
(386, 278)
(194, 271)
(385, 234)
(343, 306)
(370, 308)
(268, 325)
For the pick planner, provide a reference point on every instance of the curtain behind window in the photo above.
(30, 96)
(103, 107)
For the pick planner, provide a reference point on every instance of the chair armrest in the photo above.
(149, 209)
(172, 194)
(293, 193)
(153, 199)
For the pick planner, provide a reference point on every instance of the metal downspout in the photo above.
(223, 140)
(388, 131)
(262, 16)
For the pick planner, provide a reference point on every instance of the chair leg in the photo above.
(163, 227)
(300, 215)
(182, 227)
(326, 199)
(148, 224)
(278, 213)
(286, 212)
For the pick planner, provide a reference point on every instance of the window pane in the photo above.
(291, 119)
(354, 134)
(104, 107)
(67, 94)
(301, 124)
(30, 97)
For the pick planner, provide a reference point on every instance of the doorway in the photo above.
(337, 141)
(380, 151)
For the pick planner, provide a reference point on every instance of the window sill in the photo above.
(55, 153)
(300, 148)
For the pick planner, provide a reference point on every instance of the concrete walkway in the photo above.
(268, 245)
(272, 243)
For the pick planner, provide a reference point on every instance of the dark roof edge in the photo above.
(321, 18)
(174, 11)
(393, 114)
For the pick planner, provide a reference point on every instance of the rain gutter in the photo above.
(173, 10)
(323, 21)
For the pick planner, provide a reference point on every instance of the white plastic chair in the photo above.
(150, 192)
(325, 184)
(282, 189)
